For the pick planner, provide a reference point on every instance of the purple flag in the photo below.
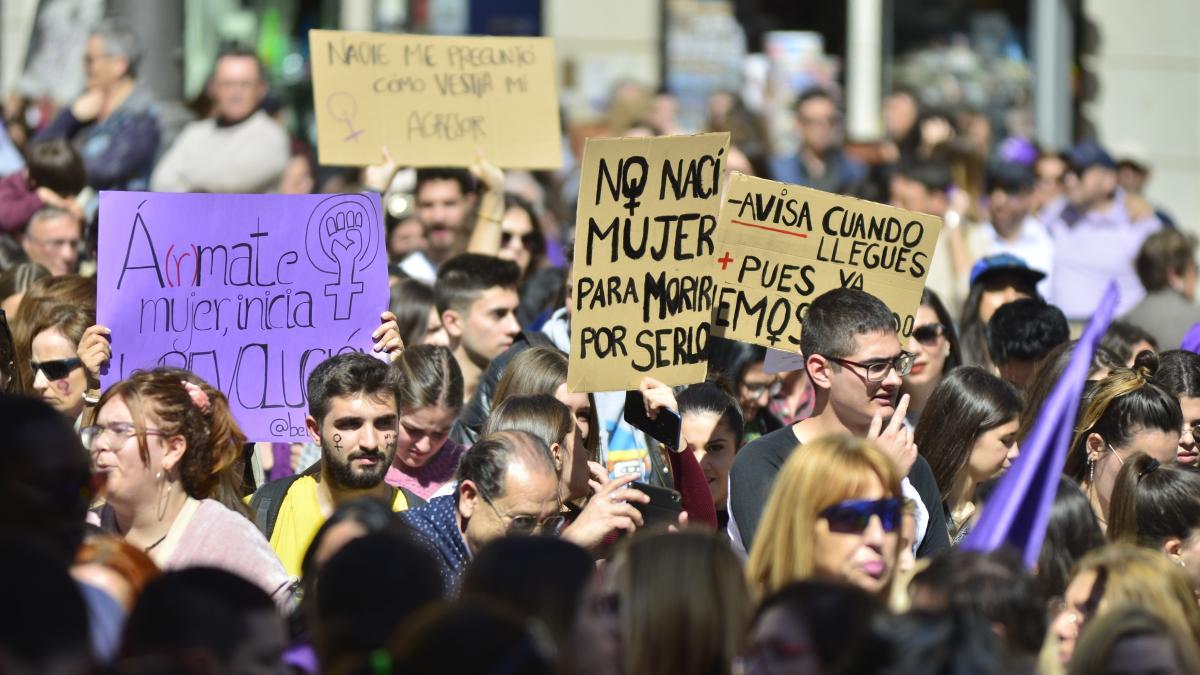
(1018, 511)
(250, 292)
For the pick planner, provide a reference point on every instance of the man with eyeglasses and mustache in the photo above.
(353, 413)
(52, 240)
(507, 485)
(853, 359)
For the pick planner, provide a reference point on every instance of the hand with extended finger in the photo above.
(896, 440)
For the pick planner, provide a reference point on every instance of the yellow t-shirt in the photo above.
(299, 519)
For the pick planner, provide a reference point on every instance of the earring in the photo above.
(163, 501)
(1091, 473)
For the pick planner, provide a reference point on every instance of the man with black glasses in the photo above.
(853, 358)
(507, 484)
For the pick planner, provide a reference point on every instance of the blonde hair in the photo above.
(1100, 639)
(815, 477)
(1140, 576)
(684, 603)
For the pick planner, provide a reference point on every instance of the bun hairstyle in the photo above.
(1153, 502)
(1122, 404)
(214, 440)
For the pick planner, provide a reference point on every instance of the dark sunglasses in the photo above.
(852, 517)
(929, 334)
(529, 242)
(56, 369)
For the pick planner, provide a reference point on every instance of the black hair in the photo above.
(238, 51)
(1152, 503)
(836, 318)
(933, 176)
(731, 359)
(968, 402)
(838, 618)
(432, 377)
(465, 181)
(1072, 531)
(367, 590)
(56, 166)
(709, 398)
(463, 278)
(45, 621)
(995, 586)
(373, 514)
(1122, 336)
(954, 359)
(1123, 404)
(1026, 330)
(349, 374)
(513, 200)
(486, 463)
(196, 607)
(813, 93)
(1179, 372)
(971, 328)
(411, 301)
(1009, 177)
(1048, 373)
(500, 641)
(541, 578)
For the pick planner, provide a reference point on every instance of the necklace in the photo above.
(160, 540)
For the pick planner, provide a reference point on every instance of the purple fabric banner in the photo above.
(1018, 511)
(250, 292)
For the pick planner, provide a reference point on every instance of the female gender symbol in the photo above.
(342, 107)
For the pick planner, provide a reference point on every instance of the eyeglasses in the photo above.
(929, 334)
(529, 241)
(757, 390)
(877, 371)
(55, 243)
(1194, 430)
(120, 431)
(852, 517)
(525, 525)
(56, 369)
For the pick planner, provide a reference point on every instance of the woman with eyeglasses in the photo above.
(1126, 413)
(1158, 506)
(1179, 373)
(968, 435)
(935, 342)
(834, 513)
(1117, 575)
(162, 439)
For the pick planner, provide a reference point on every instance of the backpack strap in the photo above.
(267, 501)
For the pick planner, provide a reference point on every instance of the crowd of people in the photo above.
(455, 509)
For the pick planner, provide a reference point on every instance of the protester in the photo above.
(1047, 374)
(477, 298)
(113, 124)
(239, 148)
(1127, 340)
(1166, 267)
(53, 176)
(683, 603)
(711, 421)
(59, 375)
(1134, 638)
(1071, 532)
(855, 362)
(205, 619)
(431, 395)
(820, 163)
(433, 641)
(161, 441)
(995, 281)
(925, 186)
(1127, 412)
(935, 342)
(1049, 169)
(834, 514)
(1179, 373)
(1095, 236)
(445, 199)
(1021, 334)
(742, 365)
(1118, 574)
(52, 239)
(1158, 506)
(506, 485)
(969, 437)
(1013, 227)
(49, 633)
(353, 412)
(543, 370)
(419, 322)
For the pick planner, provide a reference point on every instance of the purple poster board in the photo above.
(250, 292)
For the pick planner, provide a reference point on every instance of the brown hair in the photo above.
(431, 377)
(683, 603)
(70, 289)
(542, 370)
(540, 415)
(128, 561)
(1100, 638)
(829, 470)
(1164, 252)
(214, 440)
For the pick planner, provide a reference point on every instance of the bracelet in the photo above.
(90, 398)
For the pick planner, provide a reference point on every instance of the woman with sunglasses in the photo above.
(1126, 413)
(59, 376)
(834, 513)
(1158, 506)
(935, 342)
(161, 441)
(1117, 575)
(1179, 373)
(969, 436)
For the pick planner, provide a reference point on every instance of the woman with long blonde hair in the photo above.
(834, 513)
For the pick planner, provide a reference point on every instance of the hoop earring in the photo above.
(163, 501)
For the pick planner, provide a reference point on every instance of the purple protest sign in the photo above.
(250, 292)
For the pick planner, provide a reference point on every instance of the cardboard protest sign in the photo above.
(433, 101)
(780, 246)
(250, 292)
(643, 288)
